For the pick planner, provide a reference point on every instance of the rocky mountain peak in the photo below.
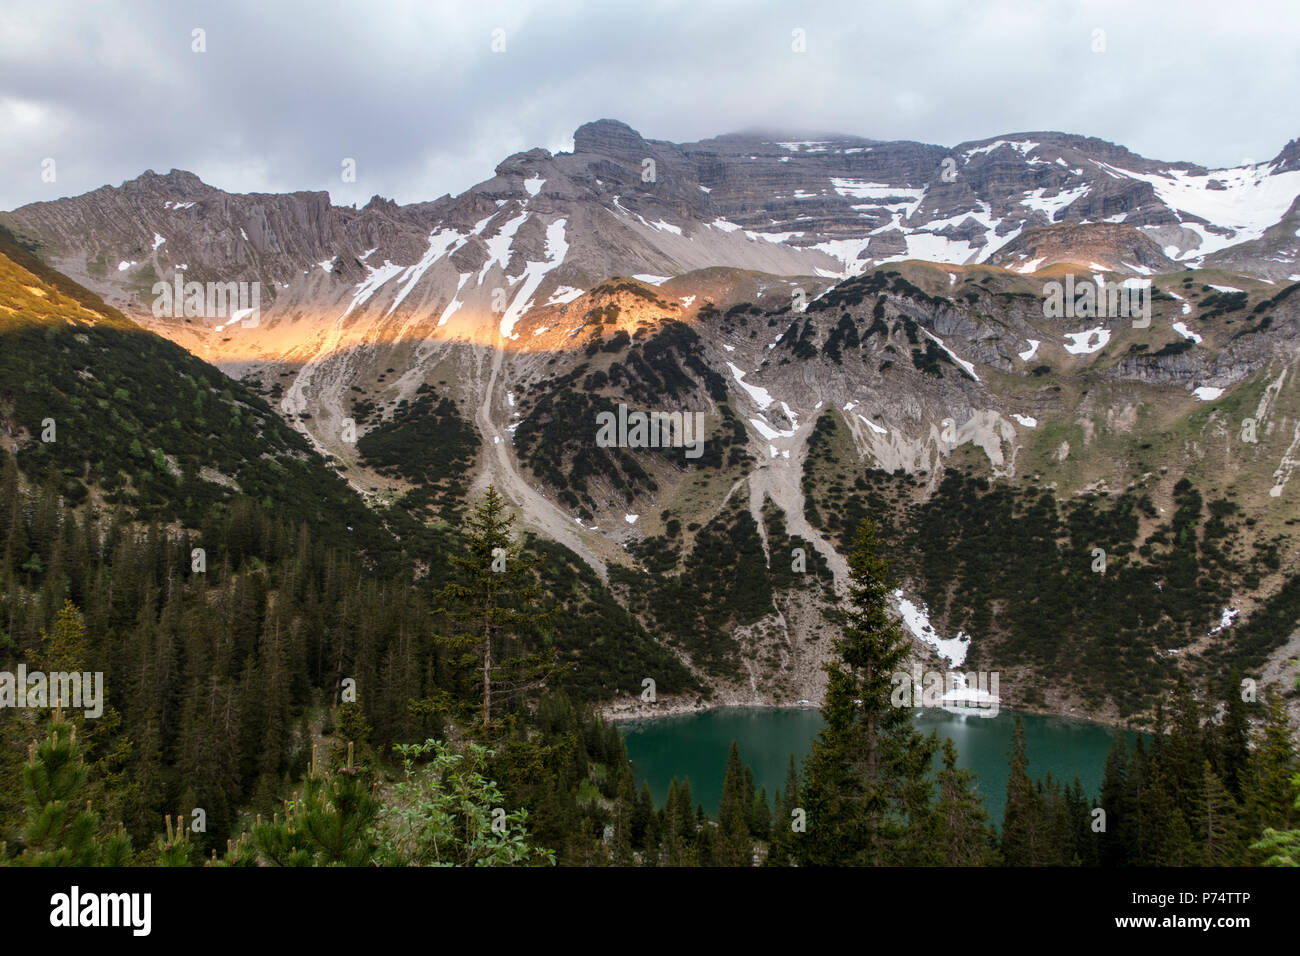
(608, 137)
(175, 180)
(525, 163)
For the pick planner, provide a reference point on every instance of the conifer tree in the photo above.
(680, 838)
(761, 814)
(1182, 761)
(1087, 851)
(962, 833)
(624, 814)
(1233, 752)
(1023, 827)
(748, 797)
(783, 802)
(1218, 821)
(1281, 847)
(643, 816)
(61, 827)
(329, 823)
(490, 604)
(353, 726)
(732, 844)
(1179, 845)
(175, 849)
(1114, 841)
(1155, 819)
(672, 840)
(705, 837)
(865, 780)
(1271, 772)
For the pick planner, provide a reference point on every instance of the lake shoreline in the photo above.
(636, 710)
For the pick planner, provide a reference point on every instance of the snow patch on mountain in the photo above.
(760, 395)
(563, 295)
(1243, 201)
(970, 369)
(455, 302)
(917, 619)
(498, 247)
(1187, 306)
(372, 283)
(1088, 341)
(442, 243)
(557, 247)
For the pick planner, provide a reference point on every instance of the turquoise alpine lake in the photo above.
(695, 746)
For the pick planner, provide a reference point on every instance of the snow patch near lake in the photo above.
(917, 619)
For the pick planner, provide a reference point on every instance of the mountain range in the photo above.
(862, 325)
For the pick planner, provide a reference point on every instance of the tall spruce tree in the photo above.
(865, 790)
(962, 833)
(1114, 841)
(1271, 790)
(1024, 836)
(491, 604)
(733, 846)
(1218, 821)
(786, 802)
(1233, 752)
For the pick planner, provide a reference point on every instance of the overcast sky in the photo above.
(413, 91)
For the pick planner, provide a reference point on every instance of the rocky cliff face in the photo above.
(620, 204)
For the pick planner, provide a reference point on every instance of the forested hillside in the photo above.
(280, 661)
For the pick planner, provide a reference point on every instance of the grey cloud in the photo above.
(412, 91)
